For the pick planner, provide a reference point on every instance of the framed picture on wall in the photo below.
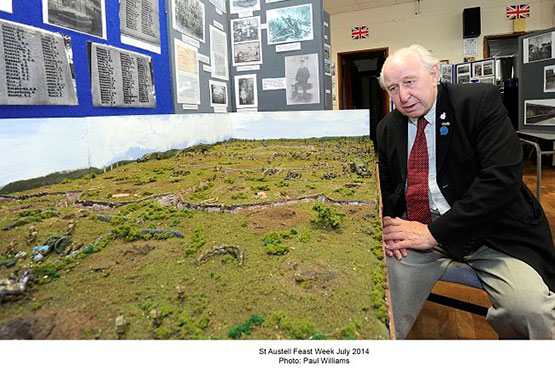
(218, 93)
(245, 29)
(243, 6)
(87, 17)
(477, 69)
(291, 24)
(488, 68)
(189, 18)
(245, 91)
(463, 73)
(247, 53)
(303, 79)
(446, 73)
(487, 80)
(549, 78)
(539, 112)
(537, 48)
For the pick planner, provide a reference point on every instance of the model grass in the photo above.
(240, 240)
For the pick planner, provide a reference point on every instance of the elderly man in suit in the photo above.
(451, 178)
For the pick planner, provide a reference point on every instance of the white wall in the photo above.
(299, 124)
(438, 27)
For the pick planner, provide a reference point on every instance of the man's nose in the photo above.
(404, 94)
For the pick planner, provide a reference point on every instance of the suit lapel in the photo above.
(445, 126)
(400, 130)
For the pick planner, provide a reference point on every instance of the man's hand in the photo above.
(392, 250)
(399, 235)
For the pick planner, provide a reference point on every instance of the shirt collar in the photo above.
(430, 116)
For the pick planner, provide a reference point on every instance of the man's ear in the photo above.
(435, 73)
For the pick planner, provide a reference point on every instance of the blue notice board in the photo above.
(30, 12)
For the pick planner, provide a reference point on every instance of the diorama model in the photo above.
(272, 239)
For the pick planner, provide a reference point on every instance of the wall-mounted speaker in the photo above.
(472, 23)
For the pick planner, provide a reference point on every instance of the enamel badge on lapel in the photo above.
(444, 129)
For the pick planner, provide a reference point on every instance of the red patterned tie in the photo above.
(418, 206)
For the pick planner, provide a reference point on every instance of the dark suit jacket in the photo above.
(479, 172)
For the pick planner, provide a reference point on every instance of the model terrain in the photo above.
(274, 239)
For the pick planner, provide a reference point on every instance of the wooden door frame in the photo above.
(339, 71)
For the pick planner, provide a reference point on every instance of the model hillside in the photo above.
(240, 240)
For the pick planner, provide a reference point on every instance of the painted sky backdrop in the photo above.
(31, 148)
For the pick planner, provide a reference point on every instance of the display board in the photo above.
(278, 57)
(80, 58)
(536, 90)
(480, 71)
(198, 32)
(137, 82)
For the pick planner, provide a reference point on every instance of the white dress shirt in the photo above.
(438, 203)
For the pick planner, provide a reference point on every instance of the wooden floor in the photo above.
(442, 322)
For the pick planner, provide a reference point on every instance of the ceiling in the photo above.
(343, 6)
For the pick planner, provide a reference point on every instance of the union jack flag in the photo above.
(518, 11)
(359, 32)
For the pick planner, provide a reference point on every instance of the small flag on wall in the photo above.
(514, 12)
(359, 32)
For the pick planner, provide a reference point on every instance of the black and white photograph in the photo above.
(84, 16)
(538, 47)
(189, 18)
(463, 79)
(247, 53)
(243, 6)
(487, 80)
(463, 73)
(540, 112)
(327, 60)
(303, 79)
(446, 73)
(245, 29)
(291, 24)
(463, 69)
(218, 53)
(487, 68)
(549, 78)
(477, 70)
(218, 93)
(140, 24)
(245, 91)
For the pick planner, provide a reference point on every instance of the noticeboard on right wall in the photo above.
(536, 89)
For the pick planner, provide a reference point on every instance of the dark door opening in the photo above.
(358, 84)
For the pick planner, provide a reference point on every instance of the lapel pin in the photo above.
(447, 124)
(444, 130)
(442, 116)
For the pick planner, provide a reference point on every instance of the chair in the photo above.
(460, 288)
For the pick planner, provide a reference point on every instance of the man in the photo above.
(301, 78)
(451, 179)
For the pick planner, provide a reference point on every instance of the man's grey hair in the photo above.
(426, 57)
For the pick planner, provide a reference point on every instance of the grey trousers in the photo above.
(522, 305)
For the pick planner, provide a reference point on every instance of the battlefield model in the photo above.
(275, 239)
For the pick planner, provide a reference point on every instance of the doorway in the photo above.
(358, 84)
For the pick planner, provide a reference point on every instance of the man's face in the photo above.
(412, 89)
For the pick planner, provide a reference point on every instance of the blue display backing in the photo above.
(29, 12)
